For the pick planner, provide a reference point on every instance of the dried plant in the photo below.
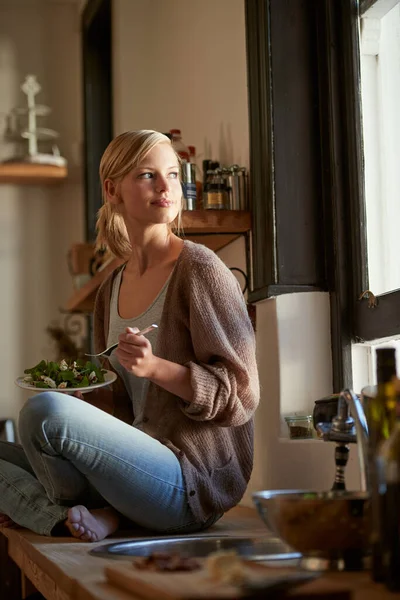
(66, 347)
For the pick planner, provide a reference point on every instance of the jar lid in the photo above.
(298, 418)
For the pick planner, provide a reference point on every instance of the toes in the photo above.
(78, 529)
(87, 536)
(75, 529)
(90, 526)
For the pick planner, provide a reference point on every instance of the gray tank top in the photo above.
(135, 386)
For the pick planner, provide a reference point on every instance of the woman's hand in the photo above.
(135, 353)
(77, 394)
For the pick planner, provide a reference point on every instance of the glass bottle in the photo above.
(389, 461)
(379, 420)
(188, 186)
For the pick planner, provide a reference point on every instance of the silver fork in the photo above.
(108, 350)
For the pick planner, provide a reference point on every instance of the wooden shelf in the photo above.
(82, 300)
(31, 173)
(215, 221)
(213, 228)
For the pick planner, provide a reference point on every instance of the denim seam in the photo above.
(49, 480)
(180, 527)
(182, 489)
(27, 498)
(53, 497)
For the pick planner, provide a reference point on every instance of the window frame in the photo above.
(369, 321)
(333, 179)
(383, 319)
(340, 163)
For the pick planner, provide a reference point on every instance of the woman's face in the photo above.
(152, 193)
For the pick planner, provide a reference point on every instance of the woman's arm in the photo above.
(224, 375)
(135, 353)
(174, 378)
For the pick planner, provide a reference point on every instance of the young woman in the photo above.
(170, 447)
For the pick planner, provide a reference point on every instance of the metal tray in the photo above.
(254, 548)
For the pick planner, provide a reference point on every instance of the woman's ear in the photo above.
(111, 192)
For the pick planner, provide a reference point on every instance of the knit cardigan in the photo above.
(204, 326)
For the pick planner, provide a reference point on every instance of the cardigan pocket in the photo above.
(218, 472)
(227, 485)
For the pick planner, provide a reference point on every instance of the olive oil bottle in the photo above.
(379, 411)
(389, 460)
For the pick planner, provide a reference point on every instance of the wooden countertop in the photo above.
(63, 569)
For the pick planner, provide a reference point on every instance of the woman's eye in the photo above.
(145, 175)
(174, 175)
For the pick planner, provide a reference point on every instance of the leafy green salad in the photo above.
(60, 375)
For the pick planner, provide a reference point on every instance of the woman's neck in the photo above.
(153, 252)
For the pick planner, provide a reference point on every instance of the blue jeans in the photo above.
(73, 453)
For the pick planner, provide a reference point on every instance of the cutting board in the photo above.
(197, 585)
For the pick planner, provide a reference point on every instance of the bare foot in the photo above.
(5, 521)
(92, 526)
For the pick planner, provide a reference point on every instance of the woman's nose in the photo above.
(162, 183)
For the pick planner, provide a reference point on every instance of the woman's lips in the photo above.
(163, 202)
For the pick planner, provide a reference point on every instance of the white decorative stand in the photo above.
(15, 132)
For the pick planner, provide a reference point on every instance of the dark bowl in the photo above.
(321, 524)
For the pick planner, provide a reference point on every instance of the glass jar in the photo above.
(300, 426)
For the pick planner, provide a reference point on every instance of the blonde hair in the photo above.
(123, 153)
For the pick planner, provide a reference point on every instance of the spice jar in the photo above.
(215, 193)
(300, 426)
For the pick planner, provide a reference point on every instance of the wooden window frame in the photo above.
(339, 178)
(382, 320)
(331, 178)
(343, 219)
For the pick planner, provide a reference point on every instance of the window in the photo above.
(379, 87)
(314, 67)
(380, 95)
(379, 46)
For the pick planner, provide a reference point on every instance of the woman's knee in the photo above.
(39, 409)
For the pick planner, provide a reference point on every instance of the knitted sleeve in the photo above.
(224, 377)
